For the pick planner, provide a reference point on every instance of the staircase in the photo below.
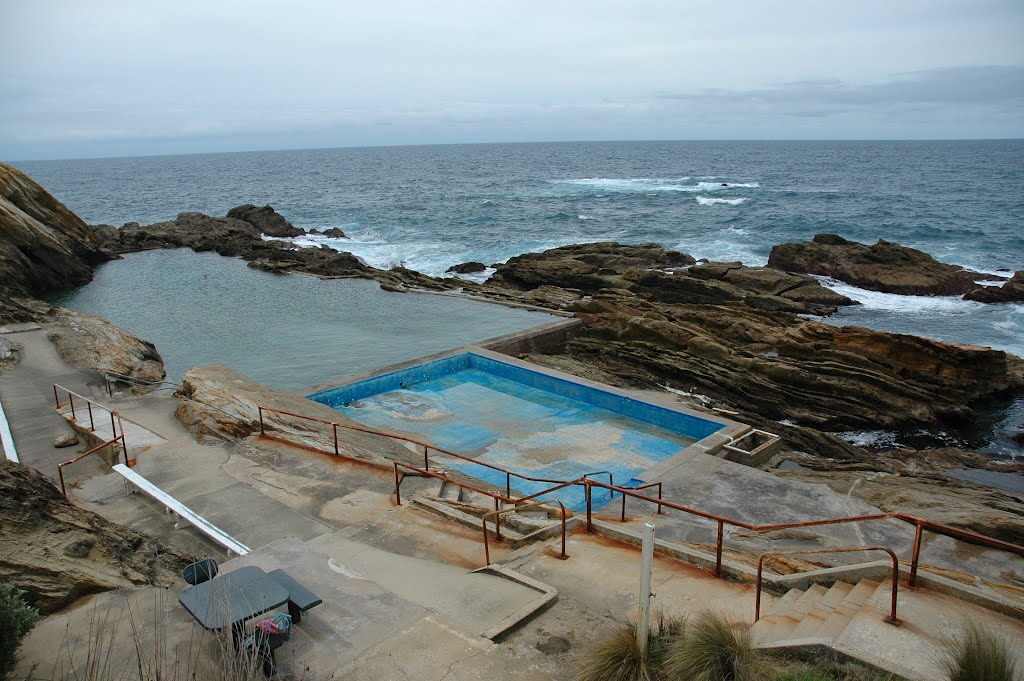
(466, 507)
(818, 612)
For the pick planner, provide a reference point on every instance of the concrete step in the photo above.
(780, 624)
(814, 620)
(845, 610)
(784, 603)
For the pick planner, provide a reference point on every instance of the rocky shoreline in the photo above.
(723, 335)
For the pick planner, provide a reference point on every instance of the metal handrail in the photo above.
(920, 523)
(427, 447)
(124, 378)
(891, 619)
(487, 549)
(108, 443)
(498, 499)
(88, 403)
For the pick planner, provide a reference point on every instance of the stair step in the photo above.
(783, 604)
(813, 622)
(787, 614)
(844, 612)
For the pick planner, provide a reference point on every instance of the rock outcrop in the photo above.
(89, 342)
(470, 267)
(885, 266)
(265, 219)
(43, 245)
(1010, 292)
(732, 333)
(216, 403)
(57, 552)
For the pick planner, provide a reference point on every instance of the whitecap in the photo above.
(585, 217)
(876, 300)
(707, 201)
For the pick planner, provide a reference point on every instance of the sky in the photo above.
(95, 78)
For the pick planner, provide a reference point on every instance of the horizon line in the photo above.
(468, 144)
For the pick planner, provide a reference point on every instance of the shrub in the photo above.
(16, 620)
(713, 650)
(978, 654)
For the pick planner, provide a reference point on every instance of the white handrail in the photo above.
(5, 434)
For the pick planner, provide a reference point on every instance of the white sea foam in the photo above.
(653, 185)
(585, 217)
(876, 300)
(708, 201)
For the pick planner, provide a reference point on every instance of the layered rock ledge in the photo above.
(57, 552)
(885, 266)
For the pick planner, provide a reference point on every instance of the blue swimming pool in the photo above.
(531, 422)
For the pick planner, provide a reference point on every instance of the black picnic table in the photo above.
(233, 598)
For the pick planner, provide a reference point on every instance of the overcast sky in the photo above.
(83, 78)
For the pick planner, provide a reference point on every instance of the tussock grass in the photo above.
(618, 657)
(714, 650)
(829, 670)
(979, 654)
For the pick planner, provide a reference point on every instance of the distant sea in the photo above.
(430, 207)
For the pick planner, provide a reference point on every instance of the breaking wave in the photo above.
(707, 201)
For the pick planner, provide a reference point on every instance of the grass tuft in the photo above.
(617, 658)
(979, 654)
(714, 650)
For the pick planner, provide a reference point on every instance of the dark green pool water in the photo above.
(286, 331)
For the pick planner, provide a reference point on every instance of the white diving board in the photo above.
(8, 439)
(182, 511)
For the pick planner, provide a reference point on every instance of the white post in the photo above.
(647, 558)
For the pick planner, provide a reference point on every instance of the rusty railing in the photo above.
(920, 524)
(497, 514)
(891, 619)
(58, 405)
(102, 445)
(496, 496)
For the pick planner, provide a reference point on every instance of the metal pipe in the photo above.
(262, 430)
(398, 487)
(426, 459)
(56, 400)
(718, 551)
(915, 556)
(92, 425)
(71, 399)
(590, 520)
(508, 484)
(63, 489)
(757, 598)
(622, 516)
(335, 429)
(646, 565)
(497, 519)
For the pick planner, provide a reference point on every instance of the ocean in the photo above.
(430, 207)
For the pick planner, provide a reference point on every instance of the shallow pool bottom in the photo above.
(531, 421)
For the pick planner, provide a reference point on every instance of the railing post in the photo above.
(92, 425)
(398, 487)
(622, 517)
(757, 601)
(334, 427)
(659, 499)
(110, 390)
(113, 426)
(915, 556)
(262, 431)
(71, 399)
(487, 545)
(497, 521)
(590, 521)
(426, 460)
(56, 400)
(564, 555)
(508, 484)
(718, 551)
(63, 489)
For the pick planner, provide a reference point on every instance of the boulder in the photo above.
(43, 245)
(57, 552)
(334, 233)
(65, 440)
(470, 267)
(1010, 292)
(89, 342)
(885, 266)
(265, 219)
(588, 267)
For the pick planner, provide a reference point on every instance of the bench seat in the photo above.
(300, 599)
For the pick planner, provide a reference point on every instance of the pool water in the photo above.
(488, 410)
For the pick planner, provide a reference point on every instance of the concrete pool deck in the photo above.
(302, 510)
